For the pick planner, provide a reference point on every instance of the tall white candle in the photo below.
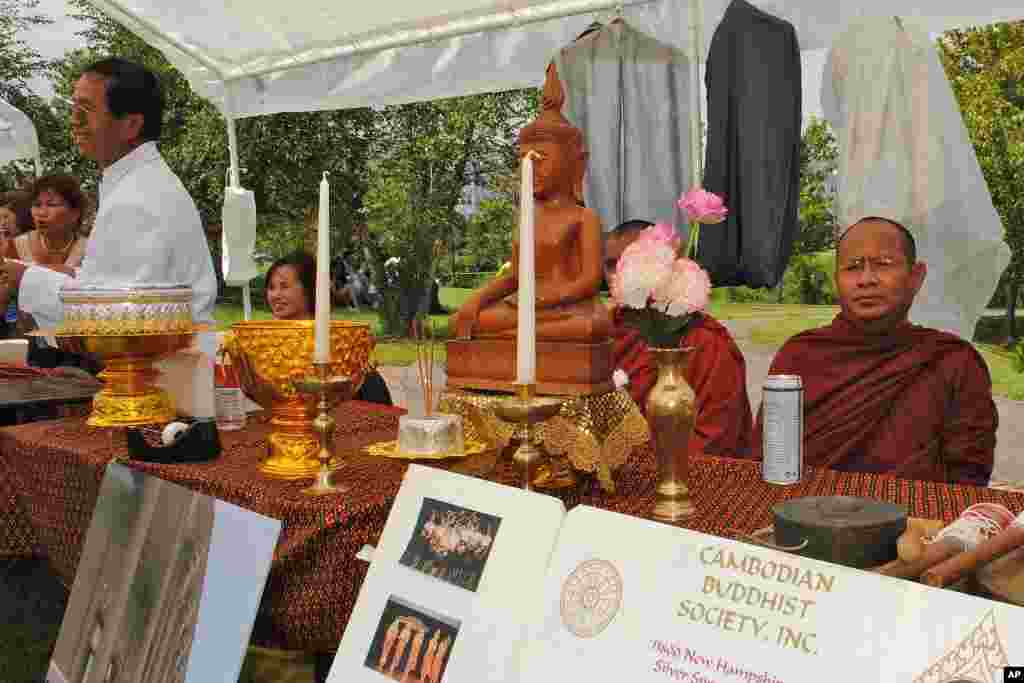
(322, 348)
(526, 333)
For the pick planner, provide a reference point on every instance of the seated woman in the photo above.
(15, 214)
(291, 295)
(568, 253)
(57, 205)
(15, 219)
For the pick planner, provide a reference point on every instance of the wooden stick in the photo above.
(952, 569)
(933, 554)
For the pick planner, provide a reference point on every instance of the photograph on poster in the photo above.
(451, 543)
(412, 644)
(138, 599)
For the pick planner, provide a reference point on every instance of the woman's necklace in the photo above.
(62, 251)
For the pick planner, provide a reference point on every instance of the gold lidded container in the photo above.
(127, 329)
(120, 311)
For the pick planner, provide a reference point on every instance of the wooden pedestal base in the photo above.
(563, 368)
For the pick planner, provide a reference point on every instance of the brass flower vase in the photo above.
(671, 412)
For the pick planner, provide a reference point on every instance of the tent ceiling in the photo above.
(305, 55)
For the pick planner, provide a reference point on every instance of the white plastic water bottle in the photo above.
(228, 395)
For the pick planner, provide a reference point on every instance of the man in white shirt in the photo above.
(147, 229)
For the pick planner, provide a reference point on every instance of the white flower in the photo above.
(620, 378)
(641, 268)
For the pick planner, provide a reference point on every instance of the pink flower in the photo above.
(642, 266)
(685, 290)
(702, 206)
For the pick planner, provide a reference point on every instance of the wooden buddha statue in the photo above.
(573, 327)
(569, 250)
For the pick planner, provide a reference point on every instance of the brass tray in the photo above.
(389, 449)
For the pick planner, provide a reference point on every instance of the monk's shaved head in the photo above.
(877, 274)
(909, 245)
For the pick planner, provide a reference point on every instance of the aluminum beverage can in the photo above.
(782, 412)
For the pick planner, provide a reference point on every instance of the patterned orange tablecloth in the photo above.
(50, 474)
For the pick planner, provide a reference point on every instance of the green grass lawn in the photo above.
(776, 323)
(387, 352)
(783, 321)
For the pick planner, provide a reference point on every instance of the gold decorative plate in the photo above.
(389, 449)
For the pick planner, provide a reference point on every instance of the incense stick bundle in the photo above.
(951, 570)
(425, 351)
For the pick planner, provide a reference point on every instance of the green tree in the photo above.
(985, 67)
(488, 237)
(421, 153)
(802, 281)
(282, 156)
(818, 154)
(20, 63)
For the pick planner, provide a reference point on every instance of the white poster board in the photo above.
(167, 587)
(630, 600)
(461, 561)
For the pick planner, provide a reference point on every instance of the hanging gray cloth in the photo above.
(753, 147)
(630, 95)
(905, 154)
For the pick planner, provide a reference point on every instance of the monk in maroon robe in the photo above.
(881, 394)
(716, 370)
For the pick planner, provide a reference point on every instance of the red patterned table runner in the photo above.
(50, 474)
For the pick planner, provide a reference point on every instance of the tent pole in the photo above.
(232, 138)
(697, 113)
(246, 301)
(235, 183)
(233, 152)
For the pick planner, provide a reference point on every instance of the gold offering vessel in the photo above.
(127, 329)
(527, 410)
(270, 356)
(328, 390)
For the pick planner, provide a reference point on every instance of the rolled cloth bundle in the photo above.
(951, 570)
(975, 525)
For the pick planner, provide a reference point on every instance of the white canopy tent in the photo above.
(253, 57)
(18, 139)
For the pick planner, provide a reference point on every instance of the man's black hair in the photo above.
(132, 89)
(629, 226)
(909, 244)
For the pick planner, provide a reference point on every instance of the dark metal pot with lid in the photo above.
(854, 532)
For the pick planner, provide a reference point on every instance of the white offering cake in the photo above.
(433, 435)
(129, 310)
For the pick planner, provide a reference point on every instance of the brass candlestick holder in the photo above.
(329, 390)
(528, 410)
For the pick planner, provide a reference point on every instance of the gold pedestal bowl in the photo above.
(270, 355)
(129, 397)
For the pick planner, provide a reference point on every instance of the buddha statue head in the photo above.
(560, 160)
